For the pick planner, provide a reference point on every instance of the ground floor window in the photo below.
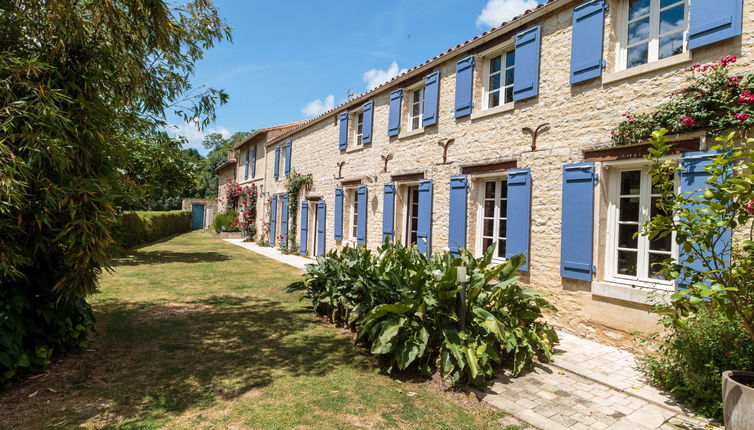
(493, 215)
(633, 201)
(412, 215)
(354, 214)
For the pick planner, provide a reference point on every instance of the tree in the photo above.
(218, 154)
(85, 87)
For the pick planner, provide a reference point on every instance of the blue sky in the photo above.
(290, 60)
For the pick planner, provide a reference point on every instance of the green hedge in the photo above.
(136, 228)
(224, 222)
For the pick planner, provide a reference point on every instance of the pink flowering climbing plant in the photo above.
(248, 212)
(712, 100)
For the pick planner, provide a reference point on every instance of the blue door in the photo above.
(197, 217)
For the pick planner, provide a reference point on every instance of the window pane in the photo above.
(664, 3)
(663, 244)
(672, 19)
(494, 82)
(510, 59)
(486, 242)
(638, 55)
(489, 208)
(629, 209)
(415, 123)
(501, 248)
(656, 271)
(417, 96)
(494, 99)
(504, 189)
(509, 94)
(638, 31)
(489, 190)
(637, 8)
(654, 210)
(627, 263)
(630, 183)
(509, 77)
(502, 227)
(495, 64)
(671, 45)
(489, 225)
(503, 209)
(626, 236)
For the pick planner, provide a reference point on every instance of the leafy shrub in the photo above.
(225, 221)
(136, 228)
(402, 304)
(692, 359)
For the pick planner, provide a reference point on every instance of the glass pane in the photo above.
(664, 3)
(661, 244)
(627, 263)
(486, 242)
(503, 209)
(626, 236)
(501, 248)
(495, 64)
(417, 96)
(489, 190)
(656, 270)
(638, 55)
(415, 123)
(504, 189)
(489, 208)
(637, 8)
(489, 225)
(509, 94)
(414, 224)
(502, 227)
(654, 210)
(630, 183)
(629, 209)
(510, 59)
(494, 82)
(671, 45)
(638, 31)
(672, 19)
(509, 77)
(494, 100)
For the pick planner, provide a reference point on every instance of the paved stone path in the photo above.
(588, 385)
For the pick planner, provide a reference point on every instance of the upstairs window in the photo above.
(359, 129)
(654, 29)
(416, 109)
(499, 80)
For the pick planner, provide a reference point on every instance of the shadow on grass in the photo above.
(139, 258)
(159, 360)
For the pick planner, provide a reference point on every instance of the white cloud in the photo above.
(194, 136)
(498, 11)
(374, 78)
(318, 107)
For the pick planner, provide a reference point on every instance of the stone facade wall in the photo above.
(580, 116)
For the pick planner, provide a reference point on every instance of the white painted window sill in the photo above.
(356, 148)
(416, 132)
(643, 294)
(494, 111)
(647, 68)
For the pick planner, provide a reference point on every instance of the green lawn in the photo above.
(197, 333)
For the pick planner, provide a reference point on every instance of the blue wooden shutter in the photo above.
(321, 228)
(431, 94)
(458, 213)
(284, 222)
(394, 118)
(361, 225)
(526, 72)
(343, 131)
(246, 167)
(517, 225)
(338, 227)
(273, 218)
(464, 86)
(366, 126)
(277, 162)
(388, 213)
(288, 148)
(304, 226)
(586, 40)
(693, 180)
(424, 221)
(714, 20)
(577, 214)
(253, 160)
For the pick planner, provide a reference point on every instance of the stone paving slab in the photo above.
(296, 261)
(588, 386)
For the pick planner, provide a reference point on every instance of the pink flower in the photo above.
(728, 59)
(687, 121)
(746, 97)
(742, 116)
(749, 207)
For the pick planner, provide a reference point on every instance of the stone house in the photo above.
(504, 140)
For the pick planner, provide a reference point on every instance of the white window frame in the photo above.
(411, 91)
(503, 53)
(654, 34)
(614, 170)
(354, 215)
(358, 122)
(407, 211)
(481, 180)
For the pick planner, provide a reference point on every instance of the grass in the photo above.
(196, 333)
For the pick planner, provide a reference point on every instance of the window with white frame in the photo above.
(354, 214)
(492, 217)
(416, 109)
(632, 256)
(653, 30)
(412, 215)
(359, 128)
(499, 80)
